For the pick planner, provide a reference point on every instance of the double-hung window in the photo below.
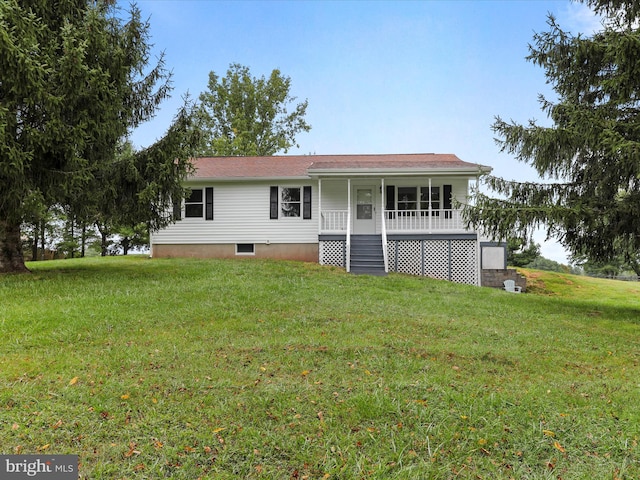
(290, 202)
(199, 203)
(408, 199)
(193, 206)
(432, 198)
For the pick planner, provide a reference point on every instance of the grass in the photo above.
(260, 369)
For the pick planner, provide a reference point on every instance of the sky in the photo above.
(379, 76)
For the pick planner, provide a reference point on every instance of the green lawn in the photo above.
(256, 369)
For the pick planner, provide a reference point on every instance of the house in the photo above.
(366, 213)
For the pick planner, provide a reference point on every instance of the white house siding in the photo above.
(241, 215)
(334, 194)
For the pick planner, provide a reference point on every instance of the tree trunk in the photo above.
(104, 244)
(84, 239)
(43, 226)
(11, 259)
(34, 245)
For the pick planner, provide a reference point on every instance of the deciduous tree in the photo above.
(245, 115)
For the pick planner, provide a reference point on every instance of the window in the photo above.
(193, 206)
(197, 204)
(434, 198)
(290, 202)
(245, 249)
(407, 198)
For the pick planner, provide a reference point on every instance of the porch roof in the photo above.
(306, 166)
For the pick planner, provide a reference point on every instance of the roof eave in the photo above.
(394, 172)
(245, 179)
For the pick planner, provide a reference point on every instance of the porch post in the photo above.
(320, 218)
(430, 211)
(382, 192)
(348, 266)
(383, 226)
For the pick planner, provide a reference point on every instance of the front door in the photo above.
(364, 220)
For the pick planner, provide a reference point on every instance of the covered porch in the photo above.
(381, 206)
(402, 211)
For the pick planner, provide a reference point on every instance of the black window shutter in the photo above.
(208, 203)
(446, 200)
(391, 198)
(306, 207)
(177, 211)
(274, 203)
(446, 194)
(390, 201)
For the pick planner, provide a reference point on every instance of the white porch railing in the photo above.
(334, 221)
(403, 221)
(423, 221)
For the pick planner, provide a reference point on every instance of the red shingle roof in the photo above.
(286, 166)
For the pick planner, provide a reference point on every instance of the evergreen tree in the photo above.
(589, 159)
(521, 254)
(73, 84)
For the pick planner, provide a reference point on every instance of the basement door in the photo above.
(364, 221)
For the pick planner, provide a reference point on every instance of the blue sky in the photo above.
(380, 76)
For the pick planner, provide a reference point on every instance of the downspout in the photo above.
(384, 228)
(348, 225)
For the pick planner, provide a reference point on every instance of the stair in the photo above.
(366, 255)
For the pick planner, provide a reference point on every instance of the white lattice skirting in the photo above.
(454, 260)
(332, 252)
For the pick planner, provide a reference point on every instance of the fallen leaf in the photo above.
(304, 373)
(132, 450)
(15, 426)
(73, 381)
(548, 433)
(559, 447)
(58, 424)
(125, 396)
(219, 429)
